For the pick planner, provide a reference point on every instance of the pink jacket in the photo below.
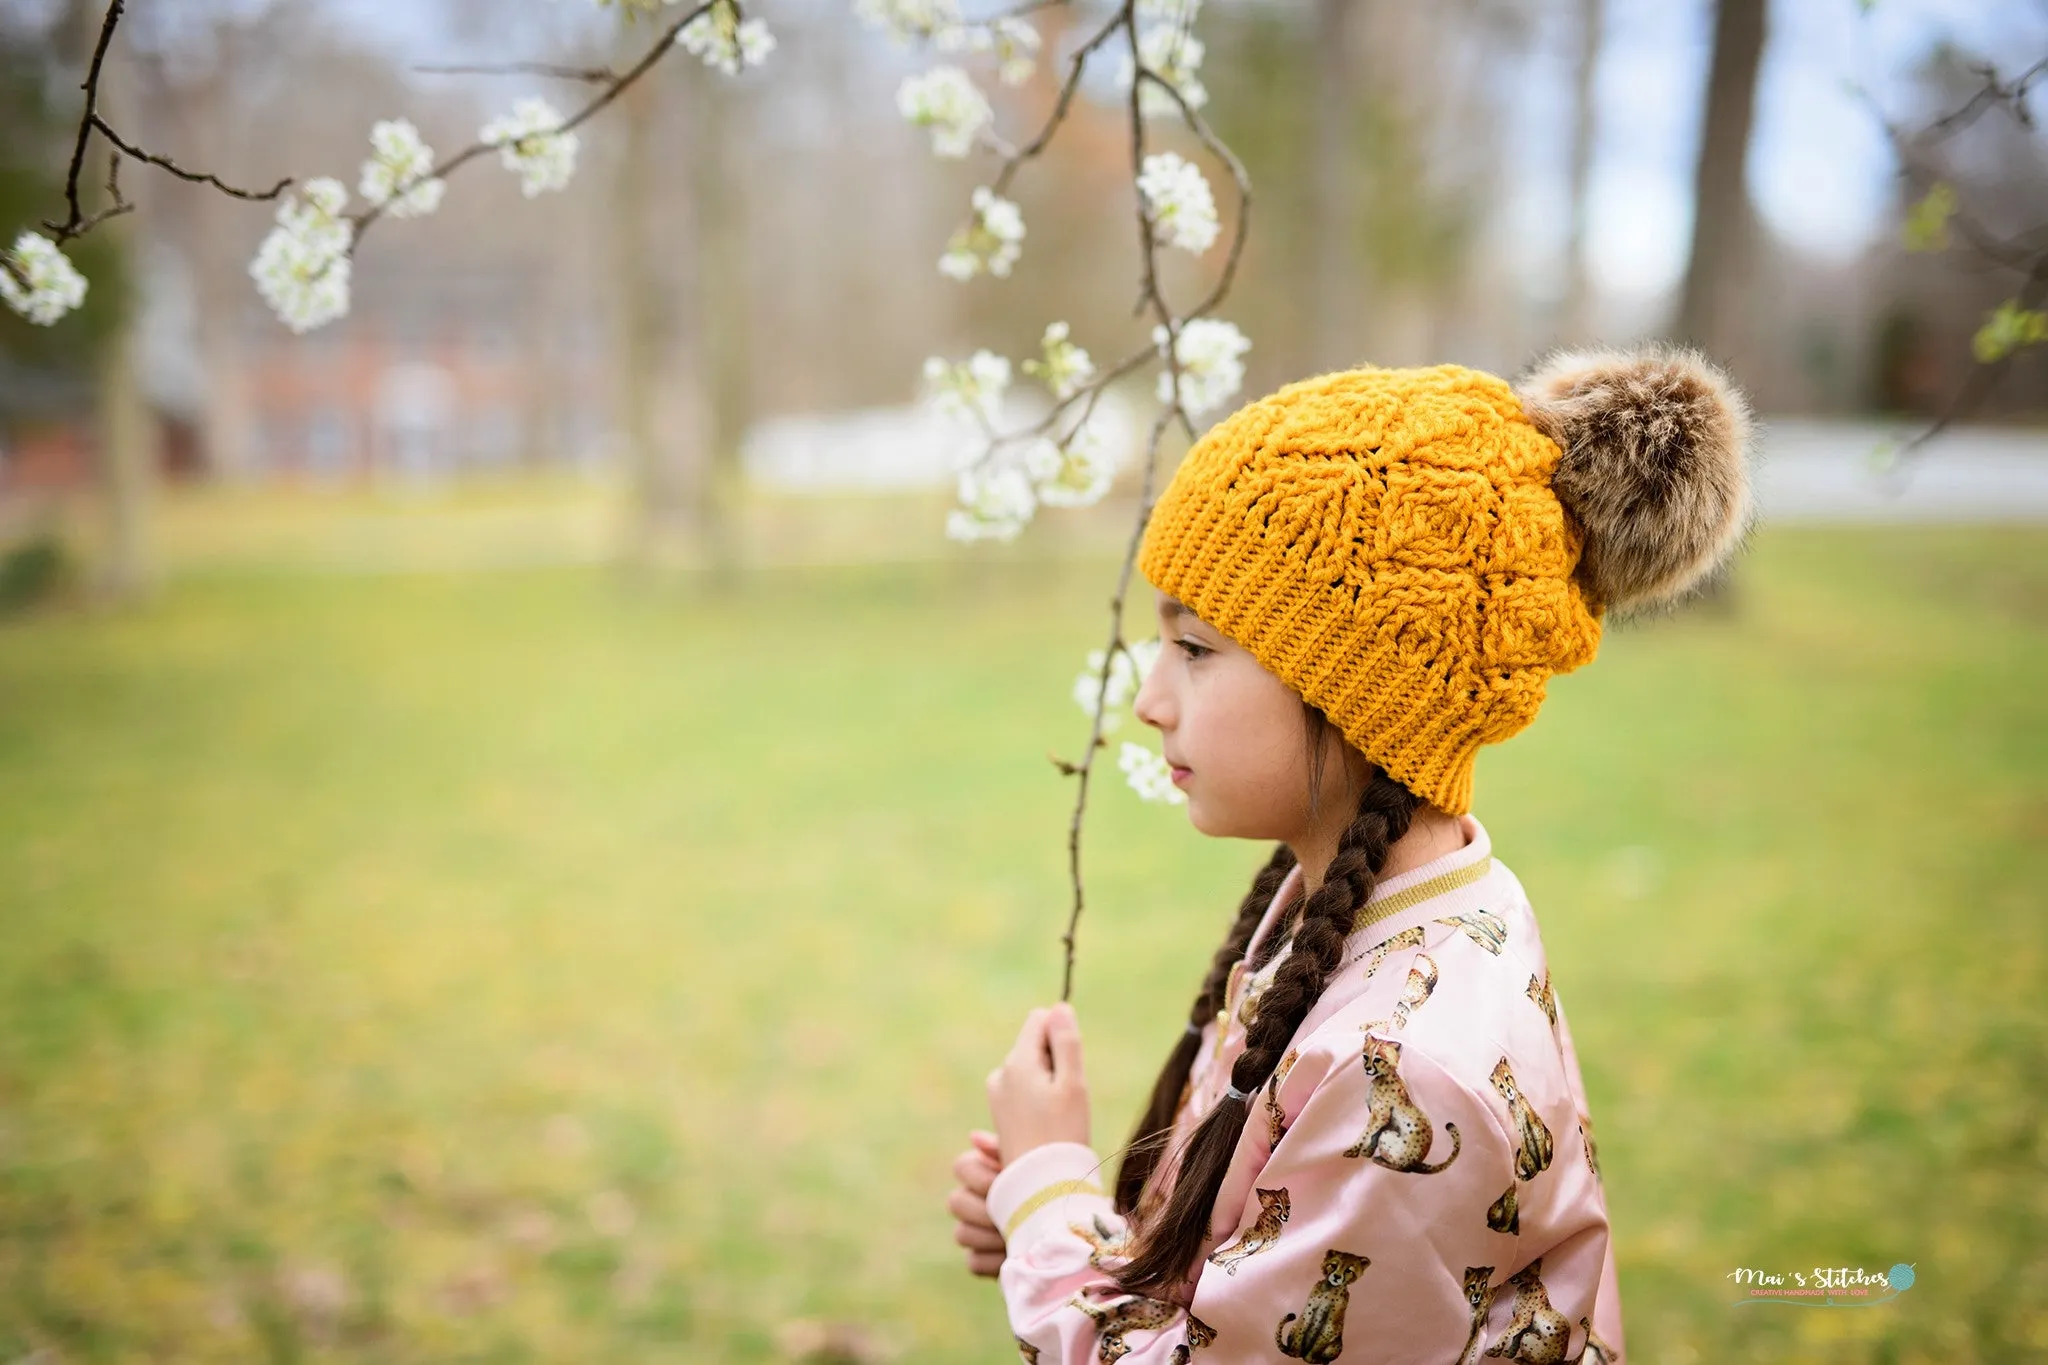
(1417, 1185)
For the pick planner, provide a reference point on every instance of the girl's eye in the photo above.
(1192, 649)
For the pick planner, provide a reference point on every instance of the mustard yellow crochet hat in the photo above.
(1417, 551)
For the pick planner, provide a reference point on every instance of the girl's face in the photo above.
(1237, 738)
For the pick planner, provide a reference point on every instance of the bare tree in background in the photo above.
(717, 308)
(1722, 216)
(1332, 183)
(1576, 317)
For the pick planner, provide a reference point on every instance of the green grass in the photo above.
(362, 937)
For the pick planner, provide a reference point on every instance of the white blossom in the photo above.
(302, 267)
(1013, 42)
(973, 390)
(399, 168)
(1075, 473)
(1126, 675)
(1211, 368)
(1173, 54)
(1016, 46)
(990, 242)
(726, 42)
(946, 100)
(526, 143)
(1066, 367)
(910, 21)
(1149, 775)
(995, 504)
(54, 286)
(1180, 12)
(1178, 202)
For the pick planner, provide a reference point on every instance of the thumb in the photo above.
(1063, 1033)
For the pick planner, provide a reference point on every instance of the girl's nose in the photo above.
(1151, 703)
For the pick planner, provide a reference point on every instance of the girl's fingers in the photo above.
(977, 1238)
(1030, 1045)
(974, 1170)
(1063, 1032)
(988, 1143)
(968, 1207)
(986, 1263)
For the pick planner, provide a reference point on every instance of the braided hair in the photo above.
(1164, 1245)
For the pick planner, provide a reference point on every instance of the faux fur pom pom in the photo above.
(1654, 469)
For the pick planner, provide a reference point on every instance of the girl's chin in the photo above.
(1219, 825)
(1207, 821)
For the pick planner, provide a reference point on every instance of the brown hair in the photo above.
(1163, 1245)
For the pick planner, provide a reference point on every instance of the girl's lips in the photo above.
(1181, 775)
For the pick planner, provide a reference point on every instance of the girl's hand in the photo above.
(976, 1170)
(1039, 1094)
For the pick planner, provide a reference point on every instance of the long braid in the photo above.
(1164, 1249)
(1148, 1139)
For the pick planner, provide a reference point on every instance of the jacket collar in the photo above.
(1450, 879)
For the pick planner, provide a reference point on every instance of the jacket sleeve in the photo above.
(1379, 1229)
(1063, 1237)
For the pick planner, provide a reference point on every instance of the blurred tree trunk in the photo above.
(1721, 208)
(1722, 215)
(207, 223)
(1577, 318)
(1333, 295)
(124, 462)
(719, 305)
(655, 494)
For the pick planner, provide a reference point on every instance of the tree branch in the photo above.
(588, 74)
(195, 177)
(1993, 93)
(2011, 254)
(1173, 407)
(1014, 160)
(74, 225)
(617, 86)
(1983, 378)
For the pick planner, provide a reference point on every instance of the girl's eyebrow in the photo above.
(1173, 607)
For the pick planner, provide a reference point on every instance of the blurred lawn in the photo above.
(518, 966)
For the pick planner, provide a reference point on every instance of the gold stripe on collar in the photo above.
(1415, 895)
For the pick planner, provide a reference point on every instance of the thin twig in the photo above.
(91, 121)
(617, 87)
(1207, 135)
(1086, 766)
(73, 225)
(591, 75)
(1174, 406)
(1014, 160)
(195, 177)
(116, 205)
(1993, 93)
(1985, 376)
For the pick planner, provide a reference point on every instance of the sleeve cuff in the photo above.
(1046, 1189)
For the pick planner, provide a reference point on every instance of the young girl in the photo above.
(1371, 1142)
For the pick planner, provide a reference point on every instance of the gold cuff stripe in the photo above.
(1422, 891)
(1058, 1189)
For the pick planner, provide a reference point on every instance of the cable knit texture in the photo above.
(1387, 542)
